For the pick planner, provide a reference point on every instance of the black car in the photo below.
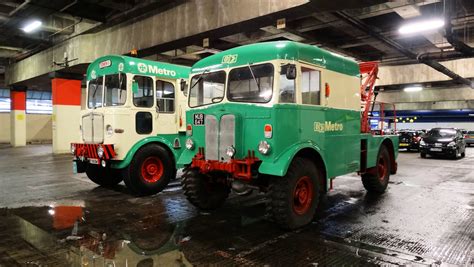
(409, 139)
(443, 141)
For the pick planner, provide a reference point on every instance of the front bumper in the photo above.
(238, 168)
(87, 154)
(438, 150)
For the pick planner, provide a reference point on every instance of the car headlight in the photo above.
(189, 144)
(73, 149)
(264, 147)
(230, 151)
(100, 151)
(109, 130)
(451, 144)
(422, 143)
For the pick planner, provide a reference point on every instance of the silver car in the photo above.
(469, 137)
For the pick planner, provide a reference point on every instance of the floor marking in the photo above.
(50, 185)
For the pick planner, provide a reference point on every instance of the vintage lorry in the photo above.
(132, 127)
(284, 118)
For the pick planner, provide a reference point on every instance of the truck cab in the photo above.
(132, 126)
(279, 117)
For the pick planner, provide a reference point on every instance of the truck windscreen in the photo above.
(115, 89)
(252, 83)
(206, 88)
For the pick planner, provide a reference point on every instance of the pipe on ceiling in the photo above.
(400, 48)
(68, 6)
(450, 6)
(18, 8)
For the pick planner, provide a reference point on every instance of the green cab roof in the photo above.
(115, 63)
(286, 50)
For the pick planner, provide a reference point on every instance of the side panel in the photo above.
(165, 139)
(373, 146)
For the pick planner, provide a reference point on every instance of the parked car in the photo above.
(443, 141)
(409, 139)
(469, 137)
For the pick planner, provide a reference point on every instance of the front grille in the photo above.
(93, 128)
(211, 151)
(219, 136)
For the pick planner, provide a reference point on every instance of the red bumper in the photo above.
(89, 151)
(238, 168)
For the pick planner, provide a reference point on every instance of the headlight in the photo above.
(189, 144)
(230, 151)
(451, 144)
(264, 147)
(73, 149)
(100, 151)
(422, 143)
(109, 130)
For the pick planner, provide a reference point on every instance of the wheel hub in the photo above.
(152, 169)
(303, 195)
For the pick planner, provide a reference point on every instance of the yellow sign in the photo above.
(328, 126)
(229, 59)
(20, 117)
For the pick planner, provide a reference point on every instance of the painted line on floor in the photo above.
(50, 185)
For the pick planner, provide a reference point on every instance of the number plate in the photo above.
(438, 144)
(74, 167)
(93, 161)
(198, 119)
(436, 149)
(402, 144)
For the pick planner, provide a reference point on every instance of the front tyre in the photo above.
(295, 197)
(376, 179)
(106, 177)
(204, 191)
(150, 170)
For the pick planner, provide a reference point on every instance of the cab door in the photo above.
(143, 109)
(166, 116)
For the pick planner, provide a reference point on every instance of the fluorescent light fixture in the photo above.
(421, 26)
(413, 89)
(32, 26)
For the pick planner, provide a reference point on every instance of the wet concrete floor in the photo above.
(50, 217)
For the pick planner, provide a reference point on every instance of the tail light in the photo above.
(268, 131)
(189, 130)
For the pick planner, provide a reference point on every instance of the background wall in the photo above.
(38, 128)
(429, 125)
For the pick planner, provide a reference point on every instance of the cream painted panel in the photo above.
(39, 127)
(18, 128)
(4, 127)
(345, 90)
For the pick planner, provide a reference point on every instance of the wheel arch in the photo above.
(280, 165)
(166, 144)
(391, 151)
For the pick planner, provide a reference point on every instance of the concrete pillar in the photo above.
(18, 118)
(66, 95)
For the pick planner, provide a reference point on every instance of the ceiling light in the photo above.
(32, 26)
(413, 89)
(421, 26)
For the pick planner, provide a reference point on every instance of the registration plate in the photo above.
(438, 144)
(436, 149)
(93, 161)
(199, 119)
(74, 167)
(402, 144)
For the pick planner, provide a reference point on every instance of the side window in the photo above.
(142, 88)
(287, 87)
(310, 86)
(165, 96)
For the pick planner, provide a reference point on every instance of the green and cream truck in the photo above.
(133, 125)
(284, 118)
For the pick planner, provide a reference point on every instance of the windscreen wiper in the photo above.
(253, 75)
(199, 78)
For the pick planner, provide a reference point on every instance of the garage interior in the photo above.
(53, 217)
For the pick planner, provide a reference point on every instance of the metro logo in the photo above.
(328, 126)
(143, 68)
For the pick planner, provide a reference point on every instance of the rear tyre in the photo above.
(106, 177)
(376, 179)
(295, 197)
(150, 170)
(204, 191)
(423, 155)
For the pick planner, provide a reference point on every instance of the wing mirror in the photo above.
(183, 85)
(291, 72)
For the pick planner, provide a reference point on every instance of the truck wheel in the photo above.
(202, 190)
(106, 177)
(295, 197)
(376, 180)
(150, 170)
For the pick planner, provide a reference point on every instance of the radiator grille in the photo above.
(93, 128)
(211, 151)
(226, 135)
